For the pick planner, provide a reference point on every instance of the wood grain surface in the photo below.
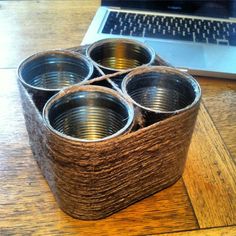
(219, 96)
(27, 27)
(210, 176)
(202, 200)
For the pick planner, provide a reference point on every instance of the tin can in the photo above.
(46, 73)
(113, 55)
(159, 92)
(88, 114)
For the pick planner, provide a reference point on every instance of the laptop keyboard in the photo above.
(167, 27)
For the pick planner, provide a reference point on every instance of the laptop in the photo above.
(196, 36)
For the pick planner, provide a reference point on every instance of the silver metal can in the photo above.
(113, 55)
(88, 114)
(46, 73)
(159, 92)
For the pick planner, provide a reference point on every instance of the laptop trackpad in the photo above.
(180, 54)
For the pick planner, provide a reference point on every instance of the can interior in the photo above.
(89, 115)
(54, 71)
(161, 91)
(120, 55)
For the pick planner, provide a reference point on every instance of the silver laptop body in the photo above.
(204, 59)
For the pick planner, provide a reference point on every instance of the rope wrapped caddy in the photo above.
(92, 180)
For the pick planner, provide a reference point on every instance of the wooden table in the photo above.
(202, 202)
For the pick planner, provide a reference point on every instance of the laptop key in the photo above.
(113, 14)
(121, 14)
(125, 32)
(184, 36)
(149, 33)
(222, 42)
(188, 37)
(212, 40)
(200, 40)
(137, 33)
(115, 31)
(106, 30)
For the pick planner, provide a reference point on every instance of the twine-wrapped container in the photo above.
(92, 180)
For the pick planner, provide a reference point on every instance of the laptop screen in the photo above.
(215, 8)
